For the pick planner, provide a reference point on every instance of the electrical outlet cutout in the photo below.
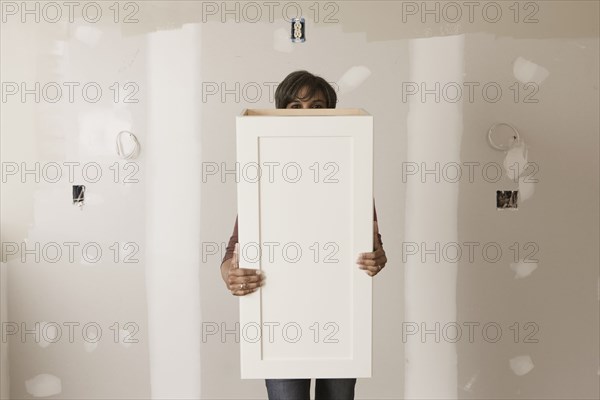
(507, 199)
(298, 30)
(78, 192)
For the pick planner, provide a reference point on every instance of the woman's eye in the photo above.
(317, 106)
(295, 106)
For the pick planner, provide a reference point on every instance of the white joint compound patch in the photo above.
(526, 71)
(521, 365)
(353, 78)
(43, 385)
(523, 269)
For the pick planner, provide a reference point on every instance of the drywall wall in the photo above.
(546, 308)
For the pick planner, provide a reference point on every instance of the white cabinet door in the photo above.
(303, 223)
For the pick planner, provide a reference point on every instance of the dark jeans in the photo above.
(299, 389)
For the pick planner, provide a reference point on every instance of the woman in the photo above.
(300, 89)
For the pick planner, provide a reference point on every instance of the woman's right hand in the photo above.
(242, 281)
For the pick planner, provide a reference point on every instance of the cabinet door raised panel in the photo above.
(305, 211)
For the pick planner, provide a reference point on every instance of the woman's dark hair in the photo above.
(288, 89)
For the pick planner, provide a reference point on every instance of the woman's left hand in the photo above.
(373, 262)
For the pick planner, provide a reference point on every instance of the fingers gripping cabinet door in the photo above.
(305, 211)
